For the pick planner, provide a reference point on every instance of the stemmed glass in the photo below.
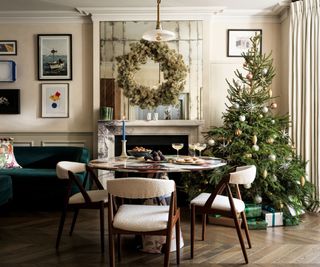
(177, 146)
(200, 147)
(192, 147)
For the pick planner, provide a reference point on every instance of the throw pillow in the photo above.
(7, 158)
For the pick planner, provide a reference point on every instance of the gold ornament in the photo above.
(280, 205)
(254, 139)
(260, 116)
(270, 93)
(273, 105)
(265, 174)
(238, 132)
(248, 156)
(270, 140)
(302, 181)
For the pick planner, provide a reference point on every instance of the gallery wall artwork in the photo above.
(55, 100)
(8, 47)
(9, 101)
(54, 56)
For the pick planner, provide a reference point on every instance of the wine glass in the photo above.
(177, 146)
(200, 147)
(192, 147)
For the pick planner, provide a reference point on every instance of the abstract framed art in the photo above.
(8, 47)
(239, 41)
(9, 101)
(54, 56)
(55, 100)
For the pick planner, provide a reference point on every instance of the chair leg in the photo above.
(119, 246)
(246, 229)
(192, 230)
(62, 219)
(75, 216)
(204, 226)
(102, 226)
(167, 247)
(236, 222)
(178, 240)
(111, 250)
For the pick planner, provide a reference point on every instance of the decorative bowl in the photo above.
(139, 154)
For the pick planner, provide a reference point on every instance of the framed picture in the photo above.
(55, 100)
(9, 101)
(239, 41)
(54, 56)
(8, 47)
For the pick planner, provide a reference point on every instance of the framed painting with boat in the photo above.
(54, 56)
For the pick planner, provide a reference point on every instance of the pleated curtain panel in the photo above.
(304, 84)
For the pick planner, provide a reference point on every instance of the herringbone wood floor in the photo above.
(27, 239)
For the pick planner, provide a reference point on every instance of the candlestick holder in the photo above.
(124, 149)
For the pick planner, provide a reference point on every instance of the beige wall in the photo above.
(222, 67)
(29, 121)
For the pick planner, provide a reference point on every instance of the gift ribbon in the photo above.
(273, 218)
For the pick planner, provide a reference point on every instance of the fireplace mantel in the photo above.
(107, 130)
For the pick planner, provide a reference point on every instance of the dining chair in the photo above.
(229, 206)
(84, 199)
(142, 219)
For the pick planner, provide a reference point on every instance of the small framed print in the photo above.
(8, 47)
(239, 41)
(55, 100)
(54, 56)
(9, 101)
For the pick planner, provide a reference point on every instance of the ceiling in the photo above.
(70, 5)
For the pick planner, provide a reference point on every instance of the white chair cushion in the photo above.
(63, 167)
(143, 218)
(219, 203)
(95, 196)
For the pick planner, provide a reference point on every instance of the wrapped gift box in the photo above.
(257, 224)
(253, 210)
(273, 218)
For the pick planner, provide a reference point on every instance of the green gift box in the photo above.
(257, 224)
(253, 210)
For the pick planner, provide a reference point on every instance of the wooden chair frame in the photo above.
(173, 221)
(223, 185)
(88, 204)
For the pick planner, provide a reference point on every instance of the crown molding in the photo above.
(26, 16)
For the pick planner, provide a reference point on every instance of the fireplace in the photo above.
(154, 142)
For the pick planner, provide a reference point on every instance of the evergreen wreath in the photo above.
(171, 64)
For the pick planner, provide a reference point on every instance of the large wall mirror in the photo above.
(115, 39)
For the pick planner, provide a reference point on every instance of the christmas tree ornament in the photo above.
(265, 109)
(247, 186)
(273, 121)
(257, 199)
(236, 105)
(279, 205)
(265, 173)
(273, 105)
(238, 132)
(274, 178)
(249, 76)
(272, 157)
(264, 71)
(211, 142)
(254, 139)
(248, 156)
(270, 140)
(302, 181)
(255, 147)
(260, 116)
(270, 93)
(238, 83)
(242, 118)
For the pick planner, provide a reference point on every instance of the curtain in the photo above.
(304, 85)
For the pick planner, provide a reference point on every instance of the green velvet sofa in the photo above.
(36, 184)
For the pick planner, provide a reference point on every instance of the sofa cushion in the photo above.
(7, 158)
(5, 189)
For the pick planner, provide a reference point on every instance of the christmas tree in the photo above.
(253, 134)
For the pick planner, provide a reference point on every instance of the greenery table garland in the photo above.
(171, 64)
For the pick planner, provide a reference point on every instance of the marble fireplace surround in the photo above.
(107, 130)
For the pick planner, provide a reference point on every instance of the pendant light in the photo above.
(158, 35)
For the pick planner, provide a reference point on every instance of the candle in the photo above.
(123, 128)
